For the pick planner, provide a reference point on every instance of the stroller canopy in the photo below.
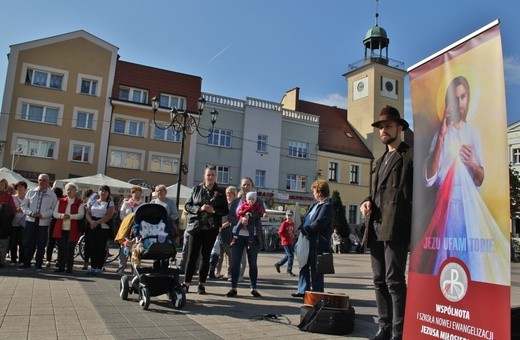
(151, 213)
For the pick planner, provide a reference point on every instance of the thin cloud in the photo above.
(332, 99)
(512, 70)
(220, 52)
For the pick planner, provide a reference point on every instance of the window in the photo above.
(168, 134)
(126, 159)
(133, 95)
(223, 174)
(88, 87)
(220, 137)
(260, 178)
(298, 149)
(80, 153)
(333, 171)
(170, 101)
(296, 182)
(84, 120)
(261, 144)
(34, 147)
(166, 164)
(516, 156)
(44, 78)
(40, 113)
(129, 127)
(354, 174)
(353, 214)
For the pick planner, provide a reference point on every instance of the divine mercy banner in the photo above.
(459, 275)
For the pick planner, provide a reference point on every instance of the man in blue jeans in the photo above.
(38, 207)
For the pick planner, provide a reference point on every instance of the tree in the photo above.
(514, 192)
(339, 220)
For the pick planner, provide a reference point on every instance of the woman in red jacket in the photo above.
(67, 212)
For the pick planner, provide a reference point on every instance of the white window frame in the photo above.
(358, 173)
(296, 182)
(49, 70)
(260, 178)
(128, 120)
(19, 151)
(222, 135)
(21, 101)
(355, 210)
(131, 92)
(92, 79)
(171, 101)
(175, 159)
(334, 171)
(126, 151)
(261, 144)
(515, 156)
(298, 149)
(73, 143)
(223, 173)
(177, 136)
(77, 110)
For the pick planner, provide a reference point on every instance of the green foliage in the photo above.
(339, 219)
(514, 192)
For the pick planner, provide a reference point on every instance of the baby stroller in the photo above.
(152, 232)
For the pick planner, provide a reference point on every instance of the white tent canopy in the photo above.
(117, 187)
(172, 193)
(13, 177)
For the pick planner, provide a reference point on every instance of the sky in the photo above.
(263, 48)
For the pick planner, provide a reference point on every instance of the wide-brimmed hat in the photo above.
(391, 113)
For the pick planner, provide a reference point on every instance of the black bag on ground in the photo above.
(515, 322)
(320, 319)
(325, 264)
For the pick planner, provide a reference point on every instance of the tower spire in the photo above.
(377, 13)
(376, 42)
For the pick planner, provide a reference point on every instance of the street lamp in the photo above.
(184, 122)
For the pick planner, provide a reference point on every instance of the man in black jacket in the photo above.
(389, 209)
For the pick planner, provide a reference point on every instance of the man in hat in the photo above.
(389, 213)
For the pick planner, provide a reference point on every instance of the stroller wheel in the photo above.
(178, 297)
(124, 287)
(144, 297)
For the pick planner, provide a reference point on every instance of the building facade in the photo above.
(66, 115)
(55, 112)
(261, 140)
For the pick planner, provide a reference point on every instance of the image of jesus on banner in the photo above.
(461, 225)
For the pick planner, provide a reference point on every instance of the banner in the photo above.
(459, 276)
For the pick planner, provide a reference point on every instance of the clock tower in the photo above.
(373, 83)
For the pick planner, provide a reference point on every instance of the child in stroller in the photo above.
(152, 241)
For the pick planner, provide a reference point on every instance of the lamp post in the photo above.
(186, 123)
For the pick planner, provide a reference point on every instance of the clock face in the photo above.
(389, 86)
(360, 88)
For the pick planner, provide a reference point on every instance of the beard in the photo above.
(388, 139)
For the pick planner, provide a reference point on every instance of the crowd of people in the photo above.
(223, 225)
